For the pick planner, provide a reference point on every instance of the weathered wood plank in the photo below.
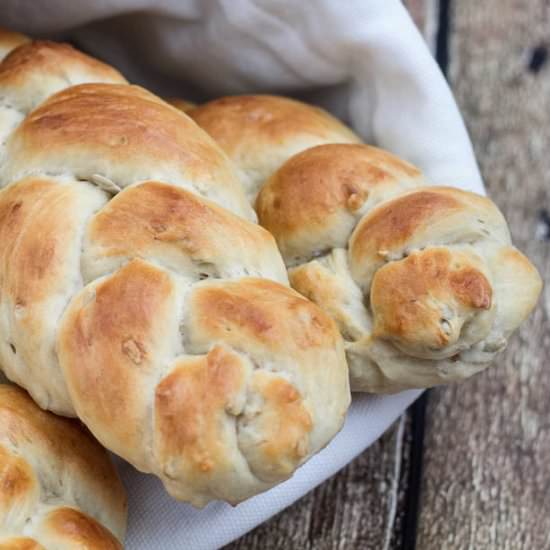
(355, 509)
(487, 448)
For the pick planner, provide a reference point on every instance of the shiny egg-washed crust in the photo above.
(59, 489)
(132, 294)
(136, 135)
(34, 70)
(423, 282)
(9, 40)
(260, 132)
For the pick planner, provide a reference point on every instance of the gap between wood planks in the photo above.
(439, 40)
(486, 468)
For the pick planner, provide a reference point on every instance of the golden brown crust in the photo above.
(35, 70)
(395, 222)
(20, 543)
(415, 277)
(10, 40)
(437, 215)
(63, 438)
(112, 105)
(98, 293)
(135, 134)
(43, 454)
(260, 132)
(265, 116)
(285, 424)
(51, 58)
(116, 330)
(252, 414)
(190, 407)
(313, 202)
(67, 527)
(18, 484)
(34, 268)
(40, 235)
(250, 313)
(424, 300)
(121, 327)
(186, 232)
(399, 220)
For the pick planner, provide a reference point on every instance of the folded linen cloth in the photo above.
(362, 59)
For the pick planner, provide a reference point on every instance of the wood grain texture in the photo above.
(487, 447)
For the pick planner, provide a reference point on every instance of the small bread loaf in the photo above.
(58, 487)
(136, 295)
(33, 71)
(423, 282)
(260, 132)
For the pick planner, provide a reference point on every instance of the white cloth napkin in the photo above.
(362, 59)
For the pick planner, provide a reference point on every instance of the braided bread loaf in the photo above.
(58, 487)
(423, 282)
(144, 313)
(260, 132)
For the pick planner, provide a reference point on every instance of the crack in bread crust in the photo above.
(419, 279)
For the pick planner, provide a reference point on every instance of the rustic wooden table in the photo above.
(467, 467)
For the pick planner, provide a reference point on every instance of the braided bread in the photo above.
(423, 282)
(135, 294)
(58, 488)
(260, 132)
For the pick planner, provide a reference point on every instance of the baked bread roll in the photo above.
(59, 489)
(132, 299)
(260, 132)
(32, 71)
(423, 282)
